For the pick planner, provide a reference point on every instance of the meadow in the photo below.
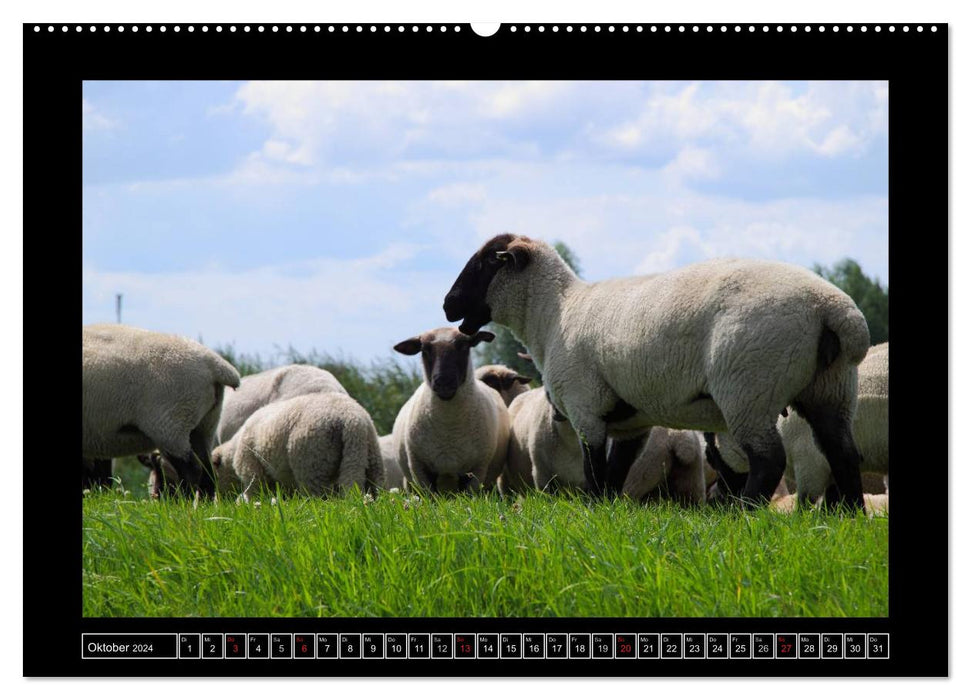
(479, 556)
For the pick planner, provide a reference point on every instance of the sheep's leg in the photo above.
(187, 470)
(424, 478)
(619, 460)
(207, 480)
(730, 482)
(595, 468)
(767, 464)
(834, 437)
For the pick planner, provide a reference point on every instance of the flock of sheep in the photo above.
(720, 380)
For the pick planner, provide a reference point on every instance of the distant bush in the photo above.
(381, 387)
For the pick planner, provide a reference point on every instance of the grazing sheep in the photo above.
(316, 443)
(453, 431)
(394, 478)
(805, 464)
(670, 465)
(257, 390)
(159, 466)
(722, 345)
(506, 381)
(544, 450)
(143, 390)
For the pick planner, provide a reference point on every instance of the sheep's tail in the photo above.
(844, 331)
(223, 372)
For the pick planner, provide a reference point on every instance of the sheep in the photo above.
(804, 461)
(506, 381)
(543, 448)
(160, 466)
(452, 432)
(143, 390)
(871, 428)
(394, 478)
(315, 443)
(668, 464)
(257, 390)
(722, 345)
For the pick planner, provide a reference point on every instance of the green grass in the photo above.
(475, 556)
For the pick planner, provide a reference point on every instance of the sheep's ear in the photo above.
(518, 255)
(523, 380)
(412, 346)
(481, 336)
(525, 356)
(493, 381)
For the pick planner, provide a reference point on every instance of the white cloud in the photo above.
(94, 120)
(457, 193)
(359, 306)
(768, 119)
(667, 248)
(692, 163)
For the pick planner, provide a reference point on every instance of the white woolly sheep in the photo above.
(805, 464)
(669, 465)
(143, 390)
(543, 448)
(394, 478)
(508, 382)
(317, 444)
(257, 390)
(871, 431)
(453, 431)
(722, 345)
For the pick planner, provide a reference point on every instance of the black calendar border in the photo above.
(914, 62)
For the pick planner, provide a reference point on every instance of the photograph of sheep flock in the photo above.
(485, 349)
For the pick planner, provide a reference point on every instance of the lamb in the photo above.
(722, 345)
(316, 444)
(543, 448)
(506, 381)
(394, 478)
(453, 432)
(143, 390)
(805, 463)
(669, 464)
(258, 390)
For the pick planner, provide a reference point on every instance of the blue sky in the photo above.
(335, 216)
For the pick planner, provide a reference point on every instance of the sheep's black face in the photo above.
(444, 356)
(466, 299)
(503, 382)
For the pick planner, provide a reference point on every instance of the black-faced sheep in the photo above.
(143, 390)
(506, 381)
(723, 345)
(315, 444)
(257, 390)
(452, 433)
